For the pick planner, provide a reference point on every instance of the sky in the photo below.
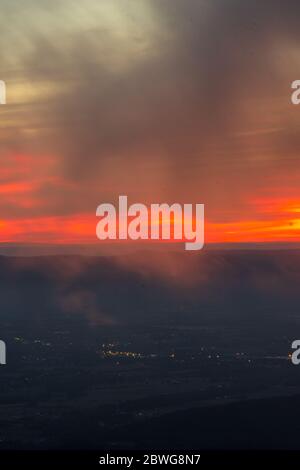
(184, 101)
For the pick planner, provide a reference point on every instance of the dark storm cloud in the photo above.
(180, 96)
(185, 97)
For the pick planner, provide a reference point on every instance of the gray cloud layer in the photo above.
(154, 94)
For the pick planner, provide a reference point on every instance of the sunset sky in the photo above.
(184, 101)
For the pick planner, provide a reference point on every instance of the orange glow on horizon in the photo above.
(81, 229)
(269, 219)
